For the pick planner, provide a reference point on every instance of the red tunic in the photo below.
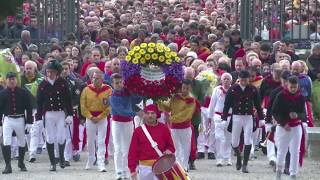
(141, 149)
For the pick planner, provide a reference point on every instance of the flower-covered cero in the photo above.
(152, 71)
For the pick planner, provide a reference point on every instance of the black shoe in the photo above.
(192, 165)
(32, 160)
(53, 167)
(76, 157)
(286, 171)
(264, 150)
(7, 170)
(246, 155)
(245, 169)
(239, 159)
(67, 163)
(211, 155)
(21, 165)
(61, 154)
(50, 148)
(272, 163)
(6, 152)
(39, 150)
(200, 155)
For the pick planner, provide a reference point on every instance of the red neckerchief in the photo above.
(100, 90)
(223, 90)
(258, 78)
(291, 97)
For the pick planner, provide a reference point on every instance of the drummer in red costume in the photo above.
(141, 153)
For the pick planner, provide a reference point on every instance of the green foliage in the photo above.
(9, 7)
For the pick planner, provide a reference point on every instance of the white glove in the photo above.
(268, 127)
(68, 120)
(305, 125)
(262, 123)
(28, 127)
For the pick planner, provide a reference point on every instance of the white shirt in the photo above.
(217, 101)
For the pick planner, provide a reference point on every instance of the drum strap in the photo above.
(152, 142)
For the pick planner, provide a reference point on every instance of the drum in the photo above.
(167, 168)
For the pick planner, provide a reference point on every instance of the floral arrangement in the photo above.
(152, 71)
(209, 78)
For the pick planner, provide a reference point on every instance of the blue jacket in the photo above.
(121, 103)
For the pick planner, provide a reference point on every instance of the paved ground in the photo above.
(206, 171)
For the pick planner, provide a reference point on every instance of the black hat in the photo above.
(244, 74)
(11, 75)
(55, 64)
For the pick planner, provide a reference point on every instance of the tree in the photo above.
(9, 7)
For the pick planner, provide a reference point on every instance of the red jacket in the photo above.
(141, 149)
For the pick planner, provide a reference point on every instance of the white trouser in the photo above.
(255, 139)
(223, 140)
(68, 147)
(292, 140)
(36, 137)
(18, 126)
(14, 147)
(145, 173)
(81, 137)
(121, 133)
(207, 133)
(182, 143)
(55, 127)
(240, 122)
(96, 132)
(271, 153)
(111, 144)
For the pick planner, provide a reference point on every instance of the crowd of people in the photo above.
(73, 97)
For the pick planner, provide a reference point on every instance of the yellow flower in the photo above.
(131, 52)
(137, 55)
(147, 56)
(142, 51)
(136, 48)
(135, 61)
(150, 50)
(167, 49)
(154, 56)
(168, 61)
(143, 45)
(159, 45)
(162, 58)
(142, 61)
(173, 54)
(177, 59)
(128, 58)
(160, 49)
(152, 45)
(168, 55)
